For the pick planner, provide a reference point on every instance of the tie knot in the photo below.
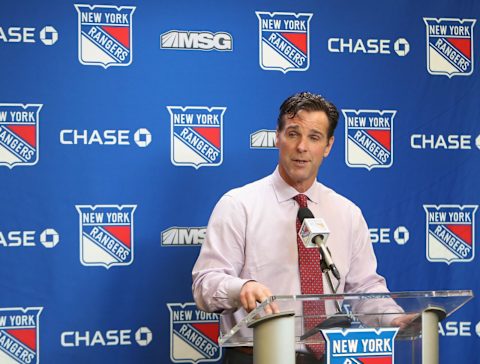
(301, 200)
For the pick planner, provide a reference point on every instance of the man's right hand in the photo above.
(252, 293)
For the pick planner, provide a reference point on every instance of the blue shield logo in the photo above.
(19, 335)
(369, 138)
(196, 135)
(450, 233)
(357, 346)
(105, 35)
(284, 41)
(19, 134)
(193, 334)
(106, 234)
(449, 46)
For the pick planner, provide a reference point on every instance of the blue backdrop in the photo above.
(122, 123)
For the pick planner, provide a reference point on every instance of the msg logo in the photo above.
(183, 236)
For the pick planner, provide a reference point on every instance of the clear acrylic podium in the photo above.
(276, 337)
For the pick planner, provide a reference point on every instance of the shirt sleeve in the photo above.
(363, 278)
(216, 274)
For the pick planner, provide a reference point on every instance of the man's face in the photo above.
(302, 144)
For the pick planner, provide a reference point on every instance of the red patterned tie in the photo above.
(311, 283)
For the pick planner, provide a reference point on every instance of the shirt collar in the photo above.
(286, 192)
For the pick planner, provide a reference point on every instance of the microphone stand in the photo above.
(336, 320)
(326, 270)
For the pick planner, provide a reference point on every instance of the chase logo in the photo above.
(450, 233)
(19, 130)
(106, 234)
(449, 46)
(196, 135)
(49, 238)
(357, 346)
(142, 137)
(48, 35)
(193, 334)
(443, 141)
(263, 139)
(384, 235)
(369, 46)
(124, 337)
(284, 41)
(369, 138)
(19, 335)
(183, 236)
(104, 35)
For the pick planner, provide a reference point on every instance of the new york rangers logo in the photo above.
(449, 46)
(196, 135)
(19, 130)
(106, 234)
(369, 138)
(360, 346)
(450, 233)
(284, 41)
(105, 35)
(19, 335)
(193, 334)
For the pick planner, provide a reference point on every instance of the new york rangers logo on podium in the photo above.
(369, 138)
(105, 35)
(193, 334)
(360, 346)
(284, 41)
(450, 233)
(449, 46)
(106, 234)
(19, 335)
(19, 130)
(196, 135)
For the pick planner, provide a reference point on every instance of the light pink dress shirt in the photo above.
(251, 235)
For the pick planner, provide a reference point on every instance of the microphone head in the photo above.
(304, 213)
(312, 229)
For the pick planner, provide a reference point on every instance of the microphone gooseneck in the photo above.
(316, 237)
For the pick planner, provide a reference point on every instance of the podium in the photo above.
(276, 337)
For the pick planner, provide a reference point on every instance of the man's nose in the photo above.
(302, 144)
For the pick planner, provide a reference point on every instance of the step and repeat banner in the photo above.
(123, 122)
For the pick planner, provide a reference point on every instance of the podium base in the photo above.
(274, 338)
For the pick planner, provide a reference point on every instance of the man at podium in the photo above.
(251, 250)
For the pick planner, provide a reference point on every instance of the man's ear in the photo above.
(329, 146)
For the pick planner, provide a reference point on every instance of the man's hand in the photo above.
(253, 292)
(406, 320)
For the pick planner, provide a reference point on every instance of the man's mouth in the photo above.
(300, 161)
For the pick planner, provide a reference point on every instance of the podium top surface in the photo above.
(377, 310)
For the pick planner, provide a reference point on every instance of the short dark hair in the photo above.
(308, 102)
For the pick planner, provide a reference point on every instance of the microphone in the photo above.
(314, 233)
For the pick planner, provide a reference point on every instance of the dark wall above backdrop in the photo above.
(123, 123)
